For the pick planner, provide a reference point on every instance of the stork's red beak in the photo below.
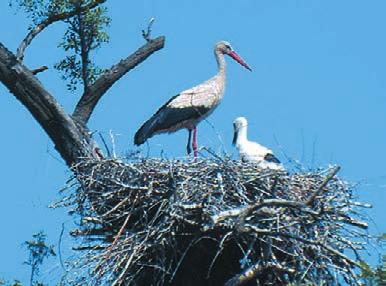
(238, 59)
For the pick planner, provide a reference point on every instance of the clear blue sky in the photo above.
(319, 83)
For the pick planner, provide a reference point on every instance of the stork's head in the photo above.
(225, 47)
(238, 124)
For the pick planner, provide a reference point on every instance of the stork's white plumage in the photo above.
(191, 106)
(250, 151)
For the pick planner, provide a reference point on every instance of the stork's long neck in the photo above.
(241, 135)
(220, 62)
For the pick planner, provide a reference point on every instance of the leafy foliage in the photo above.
(85, 33)
(39, 10)
(381, 273)
(375, 276)
(14, 283)
(38, 251)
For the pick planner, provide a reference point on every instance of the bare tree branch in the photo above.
(38, 70)
(71, 140)
(277, 239)
(246, 211)
(328, 178)
(325, 246)
(255, 270)
(94, 92)
(52, 19)
(336, 252)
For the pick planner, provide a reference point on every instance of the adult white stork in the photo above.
(252, 151)
(188, 108)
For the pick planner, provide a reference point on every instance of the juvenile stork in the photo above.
(251, 151)
(188, 108)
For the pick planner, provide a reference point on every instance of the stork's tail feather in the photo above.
(145, 132)
(141, 135)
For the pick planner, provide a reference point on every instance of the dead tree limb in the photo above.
(70, 137)
(71, 140)
(94, 92)
(38, 70)
(69, 133)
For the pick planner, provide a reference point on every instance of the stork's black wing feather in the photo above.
(166, 119)
(271, 158)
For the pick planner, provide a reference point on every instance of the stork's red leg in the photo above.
(194, 144)
(188, 149)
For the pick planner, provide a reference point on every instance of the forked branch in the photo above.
(71, 140)
(328, 178)
(48, 21)
(91, 96)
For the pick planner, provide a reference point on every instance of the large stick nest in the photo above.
(214, 222)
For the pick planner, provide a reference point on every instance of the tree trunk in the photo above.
(69, 133)
(71, 140)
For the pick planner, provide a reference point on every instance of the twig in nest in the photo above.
(109, 250)
(259, 217)
(333, 172)
(105, 144)
(255, 270)
(221, 247)
(113, 144)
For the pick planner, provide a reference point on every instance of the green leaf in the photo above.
(366, 271)
(38, 251)
(85, 33)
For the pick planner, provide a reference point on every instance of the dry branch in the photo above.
(255, 270)
(71, 140)
(211, 222)
(71, 137)
(333, 172)
(94, 92)
(38, 70)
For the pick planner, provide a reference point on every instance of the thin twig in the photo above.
(60, 248)
(328, 178)
(176, 207)
(147, 34)
(105, 145)
(255, 270)
(112, 138)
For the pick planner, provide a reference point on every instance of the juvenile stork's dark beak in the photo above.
(235, 134)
